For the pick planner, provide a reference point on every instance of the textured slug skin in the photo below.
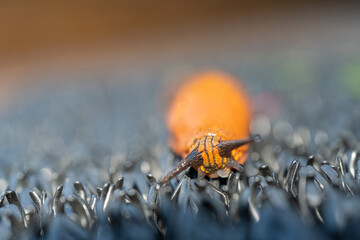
(210, 102)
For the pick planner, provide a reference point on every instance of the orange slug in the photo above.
(208, 121)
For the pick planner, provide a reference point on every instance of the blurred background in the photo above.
(89, 80)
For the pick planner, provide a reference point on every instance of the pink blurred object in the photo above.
(267, 103)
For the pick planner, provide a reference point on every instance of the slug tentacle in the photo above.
(226, 147)
(201, 173)
(192, 159)
(231, 163)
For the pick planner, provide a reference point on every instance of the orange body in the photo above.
(211, 104)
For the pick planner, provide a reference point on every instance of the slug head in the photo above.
(210, 154)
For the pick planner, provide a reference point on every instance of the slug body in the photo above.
(208, 122)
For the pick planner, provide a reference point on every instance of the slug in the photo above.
(208, 122)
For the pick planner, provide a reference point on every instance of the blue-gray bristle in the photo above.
(83, 164)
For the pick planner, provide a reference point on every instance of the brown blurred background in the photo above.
(41, 36)
(28, 27)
